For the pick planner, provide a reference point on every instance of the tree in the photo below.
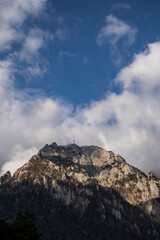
(23, 228)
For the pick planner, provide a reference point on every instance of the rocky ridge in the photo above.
(79, 177)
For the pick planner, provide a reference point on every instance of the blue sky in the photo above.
(80, 70)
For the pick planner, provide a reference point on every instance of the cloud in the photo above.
(128, 123)
(114, 31)
(30, 53)
(18, 157)
(8, 35)
(36, 69)
(29, 38)
(120, 5)
(135, 131)
(34, 41)
(12, 16)
(65, 53)
(142, 73)
(117, 34)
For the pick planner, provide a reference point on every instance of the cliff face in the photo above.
(84, 193)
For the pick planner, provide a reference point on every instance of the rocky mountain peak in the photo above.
(76, 176)
(86, 164)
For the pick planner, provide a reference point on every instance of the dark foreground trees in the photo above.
(23, 228)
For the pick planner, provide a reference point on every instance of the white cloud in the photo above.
(31, 40)
(35, 40)
(36, 70)
(18, 157)
(14, 12)
(142, 71)
(128, 123)
(115, 30)
(12, 16)
(8, 35)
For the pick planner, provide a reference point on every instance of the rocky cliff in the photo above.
(84, 193)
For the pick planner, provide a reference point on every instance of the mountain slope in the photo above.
(84, 193)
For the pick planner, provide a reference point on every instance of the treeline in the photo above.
(23, 228)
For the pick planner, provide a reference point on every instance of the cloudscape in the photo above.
(85, 71)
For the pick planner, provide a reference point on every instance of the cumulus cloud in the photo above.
(128, 123)
(115, 30)
(142, 73)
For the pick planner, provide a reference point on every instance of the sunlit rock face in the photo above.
(93, 186)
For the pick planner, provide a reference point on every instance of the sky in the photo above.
(84, 71)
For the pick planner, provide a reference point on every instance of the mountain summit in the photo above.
(84, 193)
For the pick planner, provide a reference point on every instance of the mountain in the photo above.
(84, 193)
